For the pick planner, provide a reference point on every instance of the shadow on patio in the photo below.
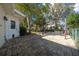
(35, 45)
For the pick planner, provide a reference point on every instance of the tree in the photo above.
(32, 9)
(25, 8)
(73, 20)
(57, 11)
(60, 10)
(41, 17)
(23, 27)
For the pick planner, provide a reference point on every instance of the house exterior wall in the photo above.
(5, 26)
(1, 27)
(9, 31)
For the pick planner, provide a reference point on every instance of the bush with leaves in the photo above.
(22, 31)
(73, 20)
(23, 27)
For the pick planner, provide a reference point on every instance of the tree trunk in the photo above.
(28, 22)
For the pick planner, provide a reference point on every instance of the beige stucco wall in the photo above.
(6, 10)
(1, 27)
(9, 31)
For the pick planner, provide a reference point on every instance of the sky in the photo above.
(76, 9)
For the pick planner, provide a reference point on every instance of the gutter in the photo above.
(20, 13)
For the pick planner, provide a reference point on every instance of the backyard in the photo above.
(47, 44)
(43, 29)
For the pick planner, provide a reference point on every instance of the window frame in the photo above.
(13, 24)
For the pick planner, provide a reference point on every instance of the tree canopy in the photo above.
(37, 10)
(73, 20)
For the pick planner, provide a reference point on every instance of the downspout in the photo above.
(5, 19)
(28, 22)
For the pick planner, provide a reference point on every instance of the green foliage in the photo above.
(25, 8)
(40, 22)
(73, 20)
(32, 8)
(38, 10)
(23, 27)
(22, 31)
(24, 23)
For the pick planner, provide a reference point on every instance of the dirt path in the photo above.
(39, 45)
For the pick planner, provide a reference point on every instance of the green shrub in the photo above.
(22, 31)
(73, 20)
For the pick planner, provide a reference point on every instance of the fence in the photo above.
(75, 34)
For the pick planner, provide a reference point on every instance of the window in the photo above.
(12, 24)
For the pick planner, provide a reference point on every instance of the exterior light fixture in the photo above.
(5, 18)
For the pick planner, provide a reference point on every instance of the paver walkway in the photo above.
(48, 44)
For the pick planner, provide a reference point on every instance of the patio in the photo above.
(35, 45)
